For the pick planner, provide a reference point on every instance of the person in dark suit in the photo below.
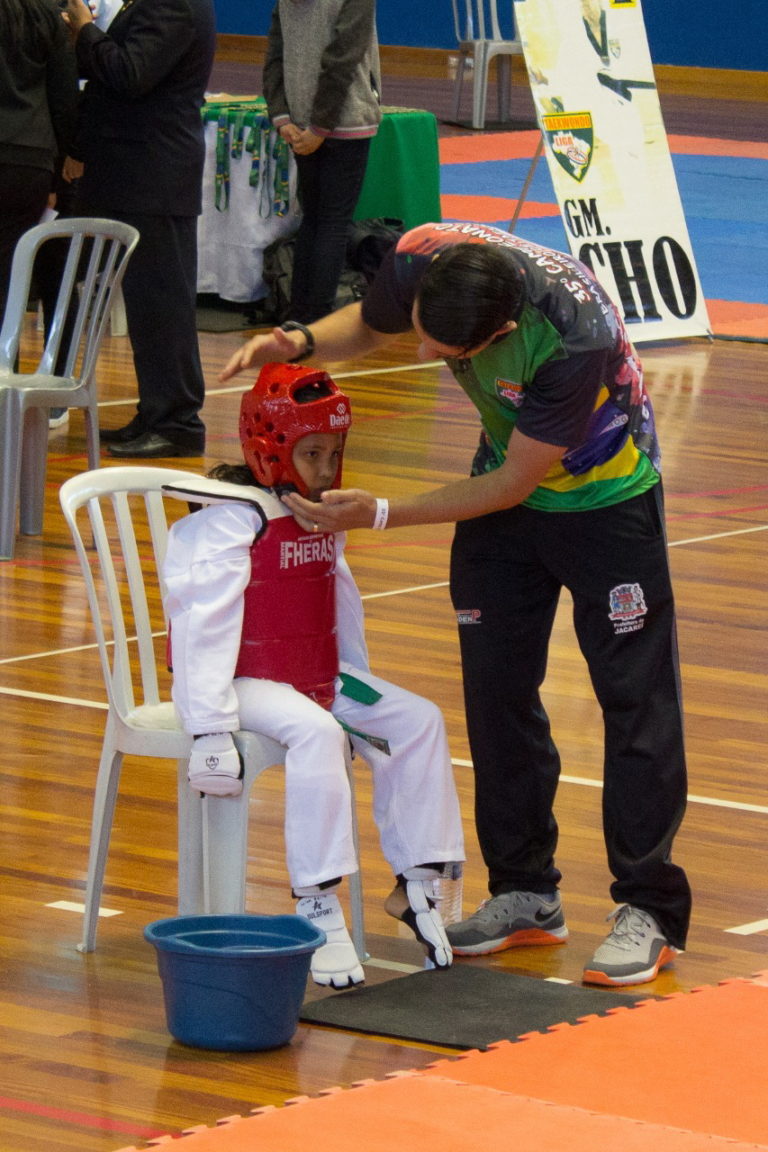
(142, 148)
(38, 110)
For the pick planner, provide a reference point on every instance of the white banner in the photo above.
(592, 81)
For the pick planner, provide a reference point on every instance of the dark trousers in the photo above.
(329, 183)
(160, 291)
(507, 570)
(23, 198)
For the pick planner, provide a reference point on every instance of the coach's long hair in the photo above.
(468, 293)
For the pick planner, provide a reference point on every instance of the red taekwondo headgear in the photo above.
(273, 418)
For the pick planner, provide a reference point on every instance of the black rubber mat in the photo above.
(463, 1006)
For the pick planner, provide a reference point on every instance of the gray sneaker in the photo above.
(510, 920)
(632, 952)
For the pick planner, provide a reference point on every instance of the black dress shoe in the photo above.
(149, 445)
(121, 435)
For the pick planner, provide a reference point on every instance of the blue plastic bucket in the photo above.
(233, 983)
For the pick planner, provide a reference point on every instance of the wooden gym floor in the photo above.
(85, 1060)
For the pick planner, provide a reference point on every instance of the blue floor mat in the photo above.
(724, 198)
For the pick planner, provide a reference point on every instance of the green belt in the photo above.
(363, 693)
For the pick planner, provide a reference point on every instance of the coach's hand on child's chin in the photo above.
(338, 511)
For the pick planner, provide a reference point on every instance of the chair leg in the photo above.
(355, 881)
(503, 86)
(104, 800)
(118, 324)
(213, 845)
(224, 853)
(479, 89)
(91, 414)
(357, 930)
(34, 463)
(190, 834)
(458, 85)
(10, 469)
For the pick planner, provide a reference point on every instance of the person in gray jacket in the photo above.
(321, 83)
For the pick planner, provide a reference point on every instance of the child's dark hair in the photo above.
(241, 473)
(233, 474)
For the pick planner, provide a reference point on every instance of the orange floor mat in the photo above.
(696, 1060)
(687, 1073)
(738, 319)
(413, 1113)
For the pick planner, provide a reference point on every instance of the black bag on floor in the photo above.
(368, 242)
(277, 274)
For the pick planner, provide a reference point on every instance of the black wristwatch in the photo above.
(294, 326)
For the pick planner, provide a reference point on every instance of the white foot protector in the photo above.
(214, 766)
(416, 905)
(336, 963)
(427, 923)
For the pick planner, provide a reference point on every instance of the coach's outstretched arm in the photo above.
(526, 464)
(342, 335)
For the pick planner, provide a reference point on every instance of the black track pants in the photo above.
(507, 570)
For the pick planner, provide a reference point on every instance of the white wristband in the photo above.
(382, 514)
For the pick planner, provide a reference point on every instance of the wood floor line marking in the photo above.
(711, 801)
(380, 595)
(373, 596)
(583, 781)
(337, 376)
(74, 648)
(749, 929)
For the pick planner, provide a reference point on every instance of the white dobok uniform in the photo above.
(207, 571)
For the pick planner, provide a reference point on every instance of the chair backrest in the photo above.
(479, 20)
(126, 514)
(95, 263)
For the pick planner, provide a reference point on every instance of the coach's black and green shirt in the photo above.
(567, 375)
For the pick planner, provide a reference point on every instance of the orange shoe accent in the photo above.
(666, 955)
(525, 938)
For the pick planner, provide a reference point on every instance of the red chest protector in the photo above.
(289, 624)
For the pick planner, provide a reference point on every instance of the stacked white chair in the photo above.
(65, 376)
(479, 36)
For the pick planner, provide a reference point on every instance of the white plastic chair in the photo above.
(478, 32)
(96, 259)
(127, 517)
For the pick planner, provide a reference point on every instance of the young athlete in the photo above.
(266, 630)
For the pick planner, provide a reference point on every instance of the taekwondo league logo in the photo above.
(571, 138)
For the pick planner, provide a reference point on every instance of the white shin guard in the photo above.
(336, 963)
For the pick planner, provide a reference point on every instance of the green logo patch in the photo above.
(571, 137)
